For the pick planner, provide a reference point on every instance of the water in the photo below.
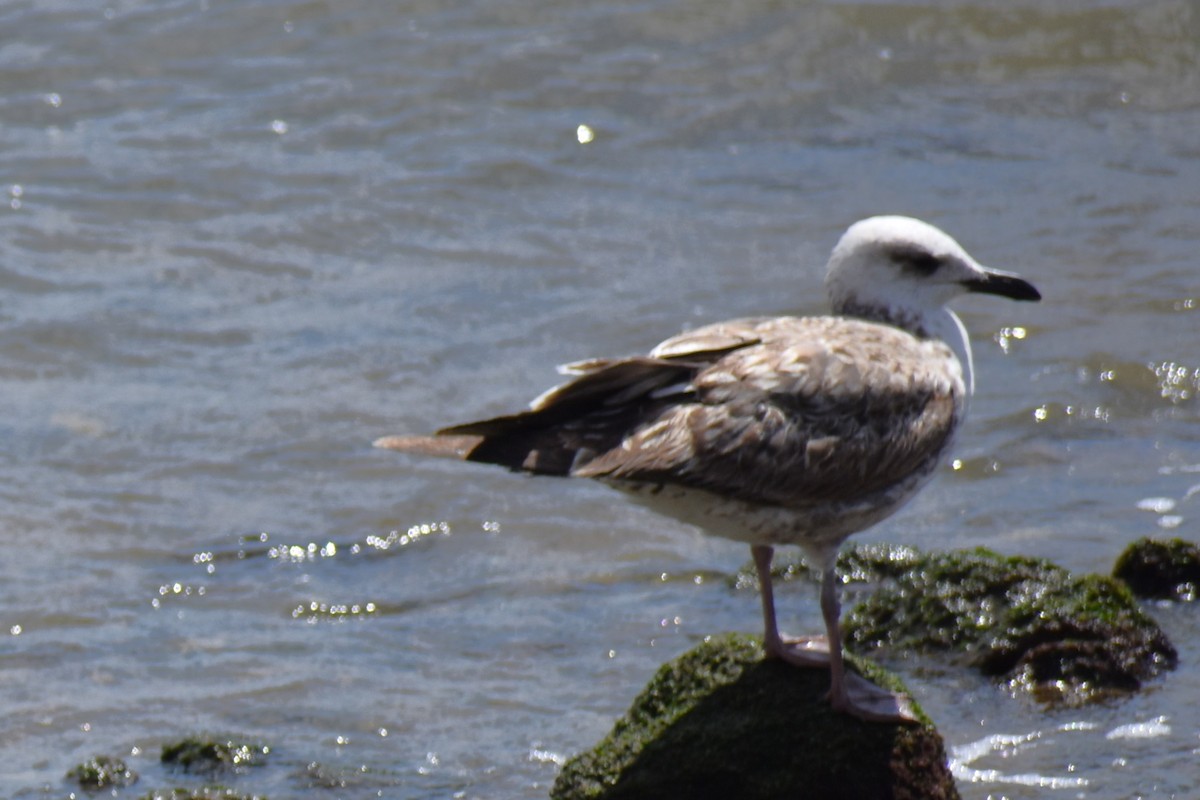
(240, 241)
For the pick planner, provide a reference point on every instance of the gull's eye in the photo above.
(917, 262)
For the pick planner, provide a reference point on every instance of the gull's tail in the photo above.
(445, 446)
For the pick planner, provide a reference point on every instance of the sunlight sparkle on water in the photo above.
(1150, 729)
(316, 610)
(547, 757)
(413, 534)
(1007, 335)
(1157, 505)
(303, 552)
(1177, 382)
(1006, 747)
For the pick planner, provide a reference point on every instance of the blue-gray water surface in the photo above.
(239, 241)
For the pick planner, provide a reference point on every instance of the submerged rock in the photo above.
(102, 772)
(1065, 639)
(200, 754)
(201, 793)
(1160, 569)
(721, 722)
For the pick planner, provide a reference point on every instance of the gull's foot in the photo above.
(801, 651)
(860, 698)
(870, 703)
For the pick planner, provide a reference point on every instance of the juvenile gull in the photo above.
(776, 431)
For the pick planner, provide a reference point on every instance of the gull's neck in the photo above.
(912, 320)
(949, 328)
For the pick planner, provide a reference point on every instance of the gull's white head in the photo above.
(904, 271)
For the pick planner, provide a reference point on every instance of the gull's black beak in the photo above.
(1004, 284)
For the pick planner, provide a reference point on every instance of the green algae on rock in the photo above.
(721, 722)
(1160, 569)
(102, 772)
(1065, 639)
(197, 754)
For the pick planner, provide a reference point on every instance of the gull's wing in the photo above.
(819, 410)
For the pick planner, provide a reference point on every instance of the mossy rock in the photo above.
(1160, 569)
(721, 722)
(204, 754)
(1065, 639)
(102, 772)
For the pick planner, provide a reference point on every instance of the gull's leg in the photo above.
(831, 611)
(804, 652)
(849, 692)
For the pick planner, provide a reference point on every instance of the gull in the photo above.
(776, 430)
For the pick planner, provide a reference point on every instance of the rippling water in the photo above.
(238, 241)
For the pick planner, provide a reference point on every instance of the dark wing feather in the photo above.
(711, 342)
(572, 422)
